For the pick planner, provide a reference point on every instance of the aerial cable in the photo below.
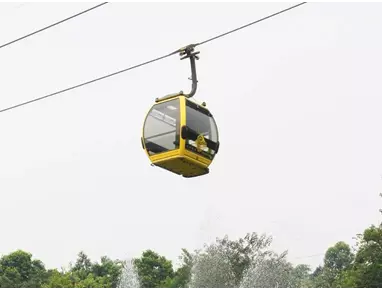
(86, 83)
(52, 25)
(144, 63)
(249, 24)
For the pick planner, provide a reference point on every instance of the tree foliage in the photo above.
(366, 271)
(18, 270)
(86, 274)
(244, 262)
(338, 259)
(154, 271)
(363, 269)
(182, 275)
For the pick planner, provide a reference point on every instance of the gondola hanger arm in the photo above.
(185, 53)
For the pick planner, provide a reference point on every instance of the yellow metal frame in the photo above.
(181, 151)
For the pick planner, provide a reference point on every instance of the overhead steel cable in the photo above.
(249, 24)
(87, 83)
(141, 64)
(52, 25)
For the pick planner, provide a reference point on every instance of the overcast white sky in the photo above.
(297, 99)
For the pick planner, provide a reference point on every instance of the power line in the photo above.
(141, 64)
(49, 26)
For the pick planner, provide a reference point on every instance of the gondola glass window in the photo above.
(161, 129)
(200, 121)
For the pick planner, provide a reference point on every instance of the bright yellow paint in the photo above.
(180, 161)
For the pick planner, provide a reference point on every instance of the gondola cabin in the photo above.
(180, 136)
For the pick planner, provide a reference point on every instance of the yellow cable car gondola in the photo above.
(180, 135)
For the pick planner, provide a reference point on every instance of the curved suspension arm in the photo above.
(189, 53)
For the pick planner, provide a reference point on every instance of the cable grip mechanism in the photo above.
(185, 53)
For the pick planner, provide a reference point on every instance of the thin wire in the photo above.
(49, 26)
(249, 24)
(136, 66)
(87, 83)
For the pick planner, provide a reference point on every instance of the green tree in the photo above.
(18, 270)
(367, 268)
(72, 279)
(83, 266)
(109, 270)
(300, 276)
(154, 271)
(338, 259)
(92, 281)
(59, 280)
(182, 275)
(365, 271)
(86, 274)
